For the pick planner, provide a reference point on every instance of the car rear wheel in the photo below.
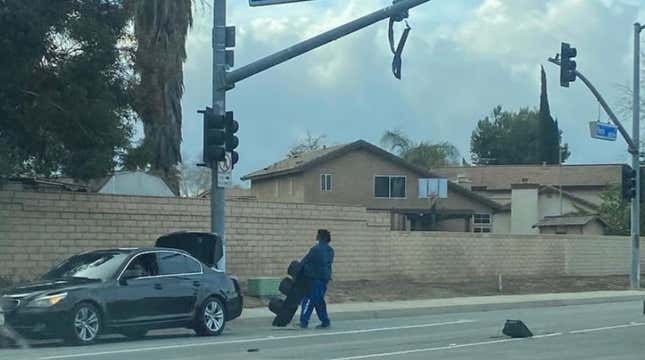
(85, 324)
(211, 318)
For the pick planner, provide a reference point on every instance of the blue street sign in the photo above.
(271, 2)
(603, 131)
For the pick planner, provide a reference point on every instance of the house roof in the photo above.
(91, 185)
(294, 164)
(500, 177)
(568, 220)
(312, 158)
(570, 196)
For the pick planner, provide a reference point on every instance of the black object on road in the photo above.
(286, 309)
(516, 329)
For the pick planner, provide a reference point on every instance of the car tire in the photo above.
(211, 317)
(134, 334)
(276, 305)
(85, 324)
(285, 286)
(294, 268)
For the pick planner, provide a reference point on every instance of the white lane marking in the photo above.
(547, 335)
(412, 351)
(582, 331)
(455, 346)
(251, 340)
(449, 347)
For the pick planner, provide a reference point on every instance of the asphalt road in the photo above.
(613, 331)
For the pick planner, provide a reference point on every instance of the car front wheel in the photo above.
(211, 318)
(85, 326)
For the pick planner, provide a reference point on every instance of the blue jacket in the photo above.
(317, 263)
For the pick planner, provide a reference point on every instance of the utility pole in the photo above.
(223, 80)
(635, 277)
(217, 198)
(568, 74)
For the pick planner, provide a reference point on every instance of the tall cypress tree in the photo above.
(548, 133)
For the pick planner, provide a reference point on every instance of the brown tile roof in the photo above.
(570, 196)
(565, 220)
(312, 158)
(500, 177)
(288, 165)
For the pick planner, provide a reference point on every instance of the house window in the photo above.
(482, 223)
(325, 182)
(389, 187)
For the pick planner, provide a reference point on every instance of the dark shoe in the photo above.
(301, 326)
(323, 326)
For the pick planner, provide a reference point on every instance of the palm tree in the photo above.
(160, 29)
(423, 154)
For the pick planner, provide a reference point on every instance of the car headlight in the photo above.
(47, 300)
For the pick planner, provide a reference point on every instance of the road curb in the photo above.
(447, 309)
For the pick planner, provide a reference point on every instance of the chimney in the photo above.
(464, 181)
(524, 208)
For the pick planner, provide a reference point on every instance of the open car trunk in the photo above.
(205, 247)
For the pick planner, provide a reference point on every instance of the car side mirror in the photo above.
(123, 281)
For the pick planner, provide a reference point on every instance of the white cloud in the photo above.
(463, 58)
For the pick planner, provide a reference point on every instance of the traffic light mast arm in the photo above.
(632, 147)
(317, 41)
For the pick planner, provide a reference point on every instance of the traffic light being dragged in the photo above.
(567, 65)
(628, 182)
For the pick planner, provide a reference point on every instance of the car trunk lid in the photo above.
(205, 247)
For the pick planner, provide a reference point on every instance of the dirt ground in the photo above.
(408, 289)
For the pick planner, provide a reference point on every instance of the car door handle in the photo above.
(197, 283)
(158, 287)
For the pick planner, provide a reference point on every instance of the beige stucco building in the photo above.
(363, 174)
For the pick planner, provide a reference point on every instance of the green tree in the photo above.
(616, 212)
(508, 138)
(64, 105)
(549, 136)
(160, 28)
(309, 143)
(423, 154)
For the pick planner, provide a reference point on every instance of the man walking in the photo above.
(317, 269)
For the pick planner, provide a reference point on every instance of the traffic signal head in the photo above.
(214, 136)
(231, 140)
(567, 64)
(628, 182)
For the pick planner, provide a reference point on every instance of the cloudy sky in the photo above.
(463, 58)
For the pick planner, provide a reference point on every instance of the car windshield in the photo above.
(95, 266)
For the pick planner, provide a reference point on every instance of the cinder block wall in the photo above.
(38, 229)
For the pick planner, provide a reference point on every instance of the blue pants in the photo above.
(315, 300)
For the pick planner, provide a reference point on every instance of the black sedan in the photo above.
(128, 291)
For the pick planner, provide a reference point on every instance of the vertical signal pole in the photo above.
(219, 107)
(635, 278)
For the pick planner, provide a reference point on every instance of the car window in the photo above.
(144, 265)
(176, 263)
